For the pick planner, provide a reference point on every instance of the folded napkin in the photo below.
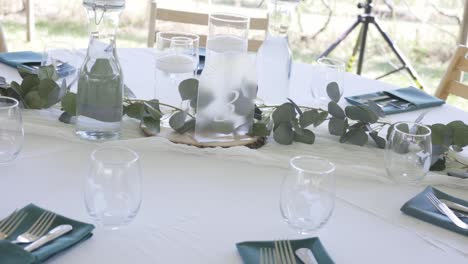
(14, 254)
(29, 61)
(250, 251)
(409, 99)
(15, 59)
(421, 208)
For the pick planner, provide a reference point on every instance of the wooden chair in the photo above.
(184, 17)
(452, 81)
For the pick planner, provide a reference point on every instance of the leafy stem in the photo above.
(129, 101)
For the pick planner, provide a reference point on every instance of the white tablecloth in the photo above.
(198, 203)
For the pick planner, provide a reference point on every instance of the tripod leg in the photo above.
(400, 56)
(352, 59)
(362, 49)
(340, 39)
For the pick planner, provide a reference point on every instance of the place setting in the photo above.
(232, 131)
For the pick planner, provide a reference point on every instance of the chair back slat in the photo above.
(193, 18)
(451, 82)
(458, 88)
(181, 17)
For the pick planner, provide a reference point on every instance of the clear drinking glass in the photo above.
(330, 70)
(308, 193)
(408, 152)
(113, 188)
(65, 59)
(176, 60)
(11, 129)
(227, 32)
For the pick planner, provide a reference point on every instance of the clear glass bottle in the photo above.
(100, 84)
(274, 56)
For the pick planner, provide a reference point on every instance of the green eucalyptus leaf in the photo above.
(49, 91)
(441, 134)
(460, 136)
(379, 141)
(284, 113)
(321, 118)
(308, 118)
(154, 112)
(390, 130)
(307, 137)
(47, 72)
(374, 107)
(67, 118)
(335, 110)
(69, 103)
(357, 136)
(337, 126)
(333, 91)
(298, 109)
(188, 126)
(259, 130)
(135, 110)
(284, 134)
(152, 124)
(297, 128)
(34, 100)
(29, 83)
(17, 88)
(188, 89)
(177, 120)
(361, 113)
(439, 165)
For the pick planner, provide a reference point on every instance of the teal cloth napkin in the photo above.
(15, 59)
(411, 97)
(421, 208)
(14, 254)
(250, 251)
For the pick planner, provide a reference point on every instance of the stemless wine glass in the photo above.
(176, 60)
(308, 193)
(63, 56)
(330, 70)
(113, 187)
(408, 152)
(11, 129)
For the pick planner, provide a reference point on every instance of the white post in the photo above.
(464, 26)
(30, 21)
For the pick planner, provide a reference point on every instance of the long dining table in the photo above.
(199, 202)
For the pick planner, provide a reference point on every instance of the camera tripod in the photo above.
(366, 19)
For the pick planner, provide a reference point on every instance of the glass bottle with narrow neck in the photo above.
(274, 56)
(100, 84)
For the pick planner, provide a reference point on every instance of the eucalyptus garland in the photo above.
(287, 123)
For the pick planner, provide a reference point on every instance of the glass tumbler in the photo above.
(11, 129)
(113, 188)
(65, 59)
(177, 57)
(308, 193)
(408, 152)
(227, 32)
(330, 70)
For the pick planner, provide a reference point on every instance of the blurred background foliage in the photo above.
(425, 30)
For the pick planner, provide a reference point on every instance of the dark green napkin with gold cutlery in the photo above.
(421, 208)
(250, 251)
(14, 254)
